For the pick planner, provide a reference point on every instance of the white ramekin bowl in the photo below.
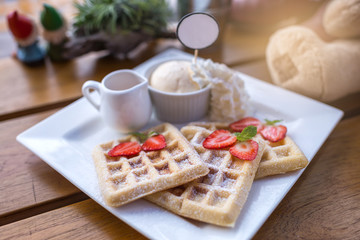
(178, 107)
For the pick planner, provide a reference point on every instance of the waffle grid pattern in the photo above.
(278, 158)
(281, 157)
(125, 179)
(219, 196)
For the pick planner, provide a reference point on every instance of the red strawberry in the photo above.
(156, 142)
(219, 139)
(274, 133)
(125, 149)
(238, 126)
(246, 150)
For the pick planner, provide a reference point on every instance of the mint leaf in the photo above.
(248, 133)
(273, 122)
(141, 136)
(152, 133)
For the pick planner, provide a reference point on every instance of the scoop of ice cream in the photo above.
(175, 77)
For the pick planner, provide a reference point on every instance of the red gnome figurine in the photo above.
(25, 34)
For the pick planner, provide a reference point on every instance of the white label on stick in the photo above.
(197, 30)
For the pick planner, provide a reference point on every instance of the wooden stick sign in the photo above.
(197, 30)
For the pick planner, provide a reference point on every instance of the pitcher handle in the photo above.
(87, 86)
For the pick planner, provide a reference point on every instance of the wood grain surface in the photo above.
(26, 180)
(83, 220)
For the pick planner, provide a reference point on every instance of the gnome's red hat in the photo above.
(20, 25)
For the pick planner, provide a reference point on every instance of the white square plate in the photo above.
(65, 141)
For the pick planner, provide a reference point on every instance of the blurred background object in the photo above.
(320, 58)
(269, 15)
(54, 32)
(25, 33)
(116, 26)
(220, 9)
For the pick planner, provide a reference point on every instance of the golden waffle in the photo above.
(123, 179)
(279, 157)
(219, 196)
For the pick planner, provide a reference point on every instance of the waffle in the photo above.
(124, 179)
(278, 158)
(281, 157)
(219, 196)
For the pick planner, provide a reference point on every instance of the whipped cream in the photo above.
(229, 99)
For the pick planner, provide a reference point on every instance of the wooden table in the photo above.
(38, 203)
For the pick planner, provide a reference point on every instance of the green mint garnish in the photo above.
(246, 134)
(142, 136)
(269, 122)
(152, 133)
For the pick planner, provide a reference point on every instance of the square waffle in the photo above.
(281, 157)
(124, 179)
(219, 196)
(278, 158)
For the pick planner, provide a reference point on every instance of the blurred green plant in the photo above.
(121, 16)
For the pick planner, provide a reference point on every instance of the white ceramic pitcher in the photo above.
(125, 103)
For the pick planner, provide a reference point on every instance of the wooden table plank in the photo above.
(25, 180)
(84, 220)
(349, 104)
(324, 203)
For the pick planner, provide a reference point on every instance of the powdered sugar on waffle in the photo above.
(124, 179)
(219, 196)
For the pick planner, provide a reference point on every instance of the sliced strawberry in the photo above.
(238, 126)
(274, 133)
(125, 149)
(246, 150)
(156, 142)
(219, 139)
